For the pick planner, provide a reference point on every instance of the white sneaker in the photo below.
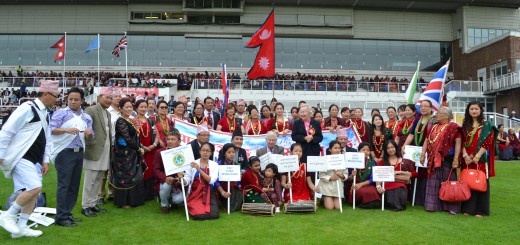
(8, 222)
(277, 209)
(27, 232)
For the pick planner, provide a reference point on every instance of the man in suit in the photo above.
(270, 138)
(342, 138)
(237, 139)
(202, 136)
(97, 155)
(212, 116)
(307, 132)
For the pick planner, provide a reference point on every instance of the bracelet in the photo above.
(478, 156)
(378, 186)
(465, 155)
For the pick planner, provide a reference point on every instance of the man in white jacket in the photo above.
(25, 146)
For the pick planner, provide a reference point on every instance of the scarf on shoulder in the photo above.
(439, 149)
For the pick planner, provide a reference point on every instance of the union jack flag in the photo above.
(120, 46)
(434, 90)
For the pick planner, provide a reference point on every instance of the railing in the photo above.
(464, 86)
(496, 118)
(306, 85)
(506, 81)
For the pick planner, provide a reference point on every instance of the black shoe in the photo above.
(110, 198)
(98, 210)
(75, 220)
(101, 201)
(66, 223)
(88, 212)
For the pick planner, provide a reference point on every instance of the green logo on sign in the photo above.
(178, 160)
(416, 156)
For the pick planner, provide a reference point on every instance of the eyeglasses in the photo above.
(205, 150)
(163, 107)
(54, 96)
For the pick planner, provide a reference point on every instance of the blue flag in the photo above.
(93, 45)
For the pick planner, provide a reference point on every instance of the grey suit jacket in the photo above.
(95, 147)
(277, 150)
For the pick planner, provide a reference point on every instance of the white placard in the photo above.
(317, 164)
(177, 159)
(229, 173)
(355, 160)
(413, 153)
(383, 173)
(287, 163)
(418, 164)
(267, 158)
(336, 162)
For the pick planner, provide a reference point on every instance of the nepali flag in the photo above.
(225, 85)
(122, 44)
(60, 45)
(263, 66)
(434, 90)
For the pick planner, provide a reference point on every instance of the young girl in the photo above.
(366, 193)
(301, 183)
(271, 187)
(328, 181)
(235, 194)
(251, 182)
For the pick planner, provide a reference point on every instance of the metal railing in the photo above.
(494, 117)
(306, 85)
(464, 86)
(506, 81)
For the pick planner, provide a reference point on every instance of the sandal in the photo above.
(452, 213)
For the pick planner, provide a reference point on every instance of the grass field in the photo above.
(146, 225)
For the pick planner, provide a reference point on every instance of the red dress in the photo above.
(256, 128)
(228, 125)
(400, 166)
(279, 126)
(392, 125)
(145, 137)
(472, 149)
(251, 181)
(402, 130)
(362, 129)
(199, 199)
(164, 126)
(300, 190)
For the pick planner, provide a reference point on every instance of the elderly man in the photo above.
(342, 138)
(202, 136)
(307, 132)
(271, 147)
(241, 110)
(97, 155)
(69, 128)
(27, 139)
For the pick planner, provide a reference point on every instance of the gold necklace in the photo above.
(438, 133)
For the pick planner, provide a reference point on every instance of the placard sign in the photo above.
(287, 163)
(317, 164)
(268, 158)
(383, 173)
(177, 159)
(336, 162)
(355, 160)
(414, 153)
(229, 173)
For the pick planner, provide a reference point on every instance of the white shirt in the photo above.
(114, 115)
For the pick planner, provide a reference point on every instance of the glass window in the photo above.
(227, 19)
(202, 19)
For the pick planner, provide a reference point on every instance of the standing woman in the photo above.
(333, 122)
(379, 135)
(148, 139)
(266, 113)
(318, 116)
(479, 138)
(127, 168)
(361, 126)
(254, 126)
(202, 201)
(392, 121)
(294, 113)
(345, 115)
(163, 124)
(280, 124)
(405, 125)
(443, 148)
(396, 192)
(504, 145)
(400, 111)
(229, 123)
(178, 112)
(198, 115)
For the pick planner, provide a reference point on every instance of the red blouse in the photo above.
(225, 123)
(472, 149)
(256, 128)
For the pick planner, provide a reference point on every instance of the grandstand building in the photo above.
(357, 38)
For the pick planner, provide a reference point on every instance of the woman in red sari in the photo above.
(163, 124)
(229, 123)
(514, 142)
(300, 182)
(479, 138)
(504, 145)
(254, 126)
(404, 126)
(443, 146)
(361, 126)
(392, 121)
(148, 139)
(396, 192)
(279, 124)
(201, 200)
(333, 122)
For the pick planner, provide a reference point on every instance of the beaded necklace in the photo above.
(256, 130)
(391, 127)
(283, 123)
(406, 127)
(360, 127)
(165, 127)
(204, 119)
(231, 126)
(419, 132)
(378, 146)
(472, 135)
(438, 132)
(138, 121)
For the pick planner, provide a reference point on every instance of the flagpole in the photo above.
(126, 64)
(99, 47)
(64, 58)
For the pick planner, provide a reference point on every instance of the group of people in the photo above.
(119, 141)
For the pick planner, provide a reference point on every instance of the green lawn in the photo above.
(414, 226)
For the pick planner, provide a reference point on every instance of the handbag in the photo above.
(401, 178)
(474, 178)
(454, 190)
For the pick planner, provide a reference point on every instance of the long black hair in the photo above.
(385, 151)
(467, 123)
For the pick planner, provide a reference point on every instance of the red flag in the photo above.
(61, 46)
(263, 66)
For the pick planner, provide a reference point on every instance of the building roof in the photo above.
(394, 5)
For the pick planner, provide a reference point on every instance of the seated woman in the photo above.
(300, 182)
(504, 147)
(396, 192)
(202, 201)
(366, 193)
(170, 192)
(252, 182)
(329, 181)
(234, 194)
(514, 142)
